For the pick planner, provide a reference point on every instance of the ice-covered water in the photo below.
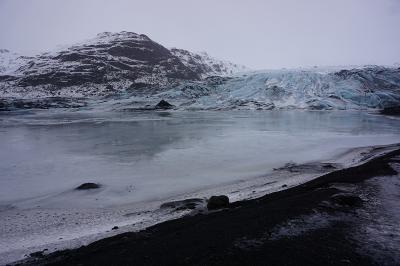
(145, 156)
(141, 158)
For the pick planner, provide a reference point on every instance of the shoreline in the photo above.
(137, 217)
(219, 222)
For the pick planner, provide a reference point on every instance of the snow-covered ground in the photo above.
(145, 159)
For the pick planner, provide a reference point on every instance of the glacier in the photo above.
(363, 88)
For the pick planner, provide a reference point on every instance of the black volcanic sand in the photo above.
(252, 232)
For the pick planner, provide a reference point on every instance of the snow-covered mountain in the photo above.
(108, 63)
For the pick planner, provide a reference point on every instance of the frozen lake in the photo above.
(150, 156)
(142, 158)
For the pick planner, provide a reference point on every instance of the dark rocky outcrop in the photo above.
(218, 202)
(86, 186)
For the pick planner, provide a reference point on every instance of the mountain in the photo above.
(108, 63)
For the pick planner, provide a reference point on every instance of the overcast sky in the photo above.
(256, 33)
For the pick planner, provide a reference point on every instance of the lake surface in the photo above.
(149, 156)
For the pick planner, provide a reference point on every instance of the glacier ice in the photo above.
(365, 88)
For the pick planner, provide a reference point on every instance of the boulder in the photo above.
(164, 105)
(86, 186)
(218, 202)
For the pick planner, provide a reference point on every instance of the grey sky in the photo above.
(256, 33)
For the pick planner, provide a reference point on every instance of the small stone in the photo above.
(115, 228)
(85, 186)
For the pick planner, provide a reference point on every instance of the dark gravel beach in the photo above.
(321, 222)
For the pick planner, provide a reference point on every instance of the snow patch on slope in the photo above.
(206, 65)
(10, 61)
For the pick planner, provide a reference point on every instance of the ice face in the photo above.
(360, 89)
